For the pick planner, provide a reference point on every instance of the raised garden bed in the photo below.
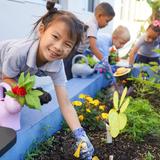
(60, 147)
(140, 140)
(36, 126)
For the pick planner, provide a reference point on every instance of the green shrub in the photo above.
(142, 120)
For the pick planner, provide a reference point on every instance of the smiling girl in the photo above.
(58, 34)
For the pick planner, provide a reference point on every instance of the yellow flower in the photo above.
(96, 102)
(95, 158)
(89, 99)
(81, 117)
(104, 115)
(101, 107)
(82, 96)
(77, 103)
(88, 110)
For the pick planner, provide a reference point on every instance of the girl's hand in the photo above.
(84, 144)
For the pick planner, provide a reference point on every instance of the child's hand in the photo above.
(83, 145)
(45, 97)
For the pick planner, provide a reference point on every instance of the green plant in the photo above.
(142, 120)
(149, 156)
(145, 85)
(91, 112)
(91, 61)
(155, 5)
(40, 148)
(24, 93)
(113, 56)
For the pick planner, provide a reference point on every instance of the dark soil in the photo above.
(122, 148)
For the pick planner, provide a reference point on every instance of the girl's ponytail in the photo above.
(51, 6)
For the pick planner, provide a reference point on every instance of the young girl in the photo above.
(58, 34)
(146, 44)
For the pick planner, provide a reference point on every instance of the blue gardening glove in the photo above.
(108, 73)
(45, 97)
(83, 144)
(130, 66)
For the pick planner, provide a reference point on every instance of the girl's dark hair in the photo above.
(75, 26)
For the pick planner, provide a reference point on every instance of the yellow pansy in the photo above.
(82, 96)
(104, 116)
(102, 107)
(96, 102)
(81, 117)
(88, 110)
(77, 103)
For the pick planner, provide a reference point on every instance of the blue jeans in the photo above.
(144, 59)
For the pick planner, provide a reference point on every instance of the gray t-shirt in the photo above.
(91, 32)
(146, 49)
(18, 56)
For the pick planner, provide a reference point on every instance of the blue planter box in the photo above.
(38, 125)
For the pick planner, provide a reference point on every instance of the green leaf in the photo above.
(29, 82)
(32, 101)
(36, 92)
(11, 94)
(29, 86)
(123, 96)
(156, 50)
(27, 76)
(122, 119)
(124, 105)
(21, 100)
(21, 79)
(115, 100)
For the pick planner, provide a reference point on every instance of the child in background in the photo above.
(117, 40)
(144, 47)
(59, 32)
(103, 14)
(108, 44)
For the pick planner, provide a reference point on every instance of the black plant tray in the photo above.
(7, 139)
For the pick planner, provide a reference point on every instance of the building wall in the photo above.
(18, 16)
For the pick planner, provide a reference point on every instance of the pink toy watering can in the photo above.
(9, 109)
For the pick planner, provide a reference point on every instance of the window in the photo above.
(90, 5)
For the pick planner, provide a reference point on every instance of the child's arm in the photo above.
(132, 54)
(9, 80)
(67, 109)
(94, 49)
(72, 120)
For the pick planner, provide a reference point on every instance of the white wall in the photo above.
(17, 17)
(78, 5)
